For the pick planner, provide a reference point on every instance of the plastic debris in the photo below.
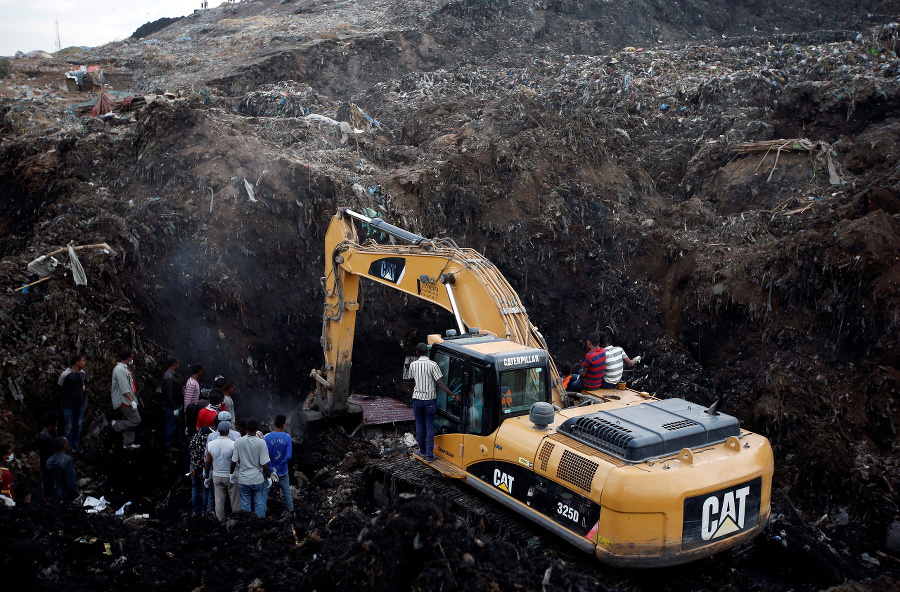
(250, 193)
(77, 270)
(869, 559)
(95, 505)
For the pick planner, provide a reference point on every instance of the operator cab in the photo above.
(493, 379)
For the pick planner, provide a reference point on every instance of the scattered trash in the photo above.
(869, 559)
(77, 270)
(842, 519)
(820, 150)
(45, 265)
(49, 571)
(84, 79)
(892, 543)
(121, 511)
(15, 388)
(95, 505)
(250, 193)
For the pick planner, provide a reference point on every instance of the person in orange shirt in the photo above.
(566, 372)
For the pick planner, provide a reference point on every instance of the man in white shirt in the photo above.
(253, 455)
(427, 375)
(218, 465)
(615, 356)
(124, 398)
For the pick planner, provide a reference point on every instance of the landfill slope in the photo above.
(716, 182)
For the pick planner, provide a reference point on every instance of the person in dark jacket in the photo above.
(171, 403)
(44, 444)
(73, 397)
(62, 472)
(200, 487)
(190, 414)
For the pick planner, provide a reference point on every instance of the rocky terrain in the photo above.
(716, 181)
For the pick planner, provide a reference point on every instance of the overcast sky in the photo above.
(27, 25)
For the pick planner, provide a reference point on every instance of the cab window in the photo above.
(520, 389)
(453, 370)
(475, 402)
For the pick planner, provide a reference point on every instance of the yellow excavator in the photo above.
(635, 480)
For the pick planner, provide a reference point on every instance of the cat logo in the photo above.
(389, 269)
(721, 518)
(716, 515)
(503, 482)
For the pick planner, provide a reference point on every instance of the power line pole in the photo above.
(58, 43)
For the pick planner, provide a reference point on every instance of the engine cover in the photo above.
(651, 430)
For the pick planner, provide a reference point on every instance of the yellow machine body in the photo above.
(637, 481)
(627, 514)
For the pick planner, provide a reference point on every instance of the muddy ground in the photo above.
(718, 182)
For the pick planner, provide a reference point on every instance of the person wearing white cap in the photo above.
(218, 465)
(224, 416)
(234, 435)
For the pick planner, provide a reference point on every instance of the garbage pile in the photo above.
(286, 99)
(728, 207)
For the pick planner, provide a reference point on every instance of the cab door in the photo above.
(449, 426)
(478, 441)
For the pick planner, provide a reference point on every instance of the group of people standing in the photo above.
(238, 467)
(231, 463)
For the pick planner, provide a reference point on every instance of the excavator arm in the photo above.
(459, 280)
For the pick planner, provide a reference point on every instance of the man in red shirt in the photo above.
(594, 366)
(206, 418)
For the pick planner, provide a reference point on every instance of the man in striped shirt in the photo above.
(594, 366)
(427, 374)
(192, 388)
(615, 355)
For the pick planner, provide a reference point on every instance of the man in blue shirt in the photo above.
(280, 446)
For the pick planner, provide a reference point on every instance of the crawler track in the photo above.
(388, 479)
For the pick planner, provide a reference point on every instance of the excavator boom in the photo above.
(459, 280)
